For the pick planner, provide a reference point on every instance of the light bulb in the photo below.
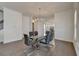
(33, 21)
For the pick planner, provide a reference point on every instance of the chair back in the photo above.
(35, 33)
(50, 36)
(26, 39)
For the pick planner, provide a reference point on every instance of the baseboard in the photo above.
(12, 41)
(64, 40)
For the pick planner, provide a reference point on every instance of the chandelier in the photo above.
(35, 18)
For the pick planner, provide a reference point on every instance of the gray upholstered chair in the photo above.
(27, 40)
(48, 38)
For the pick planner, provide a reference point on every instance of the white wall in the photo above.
(49, 23)
(1, 35)
(77, 25)
(64, 25)
(76, 39)
(26, 24)
(12, 25)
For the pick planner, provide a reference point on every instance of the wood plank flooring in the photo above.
(18, 48)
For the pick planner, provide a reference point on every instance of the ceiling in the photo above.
(32, 8)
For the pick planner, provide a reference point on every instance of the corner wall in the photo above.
(12, 25)
(64, 25)
(76, 27)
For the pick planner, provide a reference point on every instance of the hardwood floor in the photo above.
(18, 48)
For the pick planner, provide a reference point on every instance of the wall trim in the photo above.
(12, 41)
(64, 40)
(76, 48)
